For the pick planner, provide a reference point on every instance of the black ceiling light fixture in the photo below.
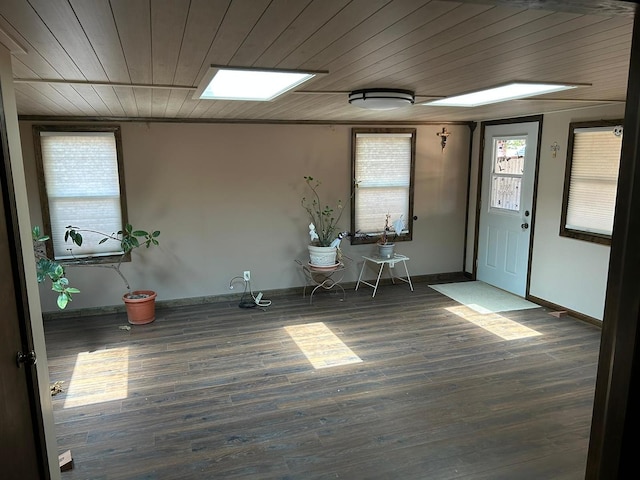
(381, 98)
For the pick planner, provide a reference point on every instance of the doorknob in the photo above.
(28, 358)
(525, 226)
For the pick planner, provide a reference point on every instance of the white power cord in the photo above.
(257, 299)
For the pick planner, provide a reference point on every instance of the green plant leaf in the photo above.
(37, 236)
(75, 237)
(45, 267)
(58, 270)
(62, 301)
(139, 233)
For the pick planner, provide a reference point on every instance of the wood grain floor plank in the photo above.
(216, 391)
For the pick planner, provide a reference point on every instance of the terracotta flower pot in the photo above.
(141, 306)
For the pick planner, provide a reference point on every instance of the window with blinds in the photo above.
(591, 180)
(383, 172)
(81, 185)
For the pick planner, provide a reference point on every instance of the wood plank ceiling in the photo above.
(143, 58)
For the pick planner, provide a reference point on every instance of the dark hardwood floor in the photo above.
(216, 391)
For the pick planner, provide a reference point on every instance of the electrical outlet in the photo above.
(247, 275)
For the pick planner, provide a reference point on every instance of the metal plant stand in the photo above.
(325, 278)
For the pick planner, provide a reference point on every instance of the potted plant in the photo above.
(323, 229)
(389, 233)
(54, 271)
(140, 304)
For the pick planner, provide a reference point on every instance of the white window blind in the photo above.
(83, 189)
(383, 172)
(594, 177)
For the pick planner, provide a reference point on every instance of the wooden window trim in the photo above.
(361, 240)
(598, 238)
(42, 187)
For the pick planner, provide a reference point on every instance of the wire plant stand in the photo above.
(325, 277)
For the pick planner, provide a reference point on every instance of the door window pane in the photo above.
(505, 192)
(506, 178)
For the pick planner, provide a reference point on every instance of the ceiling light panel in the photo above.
(226, 83)
(502, 93)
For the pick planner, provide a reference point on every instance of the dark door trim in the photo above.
(615, 411)
(13, 237)
(532, 223)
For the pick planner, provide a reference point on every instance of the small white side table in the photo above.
(391, 262)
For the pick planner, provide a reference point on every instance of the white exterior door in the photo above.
(508, 176)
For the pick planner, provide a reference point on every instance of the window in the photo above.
(81, 184)
(383, 164)
(591, 180)
(507, 173)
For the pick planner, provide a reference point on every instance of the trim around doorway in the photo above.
(483, 125)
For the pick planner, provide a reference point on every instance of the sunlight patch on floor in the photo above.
(99, 376)
(321, 346)
(494, 323)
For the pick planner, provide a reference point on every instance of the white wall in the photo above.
(566, 272)
(226, 198)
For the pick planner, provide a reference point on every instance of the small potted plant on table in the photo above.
(386, 242)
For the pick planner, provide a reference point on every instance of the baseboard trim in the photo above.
(573, 313)
(235, 297)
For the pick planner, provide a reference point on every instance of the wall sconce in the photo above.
(444, 134)
(554, 149)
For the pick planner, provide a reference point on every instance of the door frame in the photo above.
(532, 222)
(10, 216)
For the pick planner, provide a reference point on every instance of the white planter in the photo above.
(322, 256)
(386, 250)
